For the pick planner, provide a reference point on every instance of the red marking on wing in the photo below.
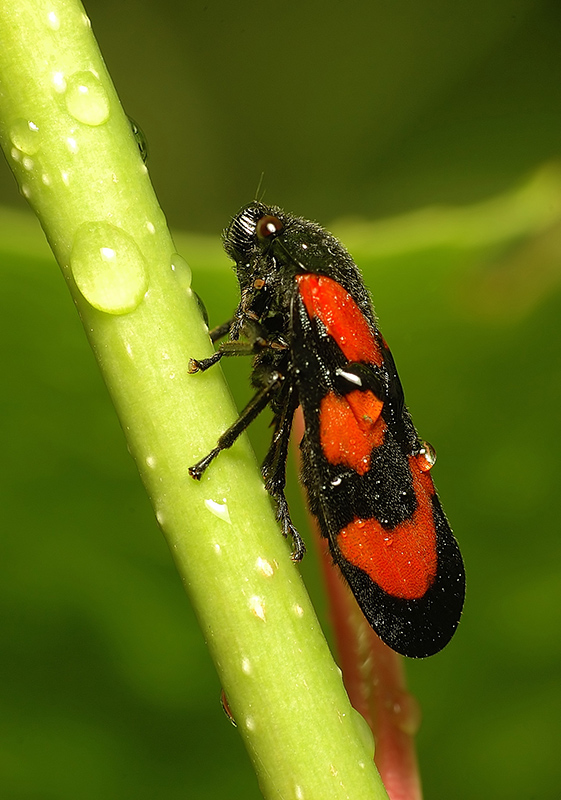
(350, 427)
(402, 561)
(326, 299)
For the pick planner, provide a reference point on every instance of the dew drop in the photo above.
(140, 139)
(59, 82)
(257, 606)
(24, 135)
(108, 267)
(53, 21)
(219, 510)
(181, 270)
(250, 723)
(265, 567)
(86, 99)
(246, 666)
(426, 457)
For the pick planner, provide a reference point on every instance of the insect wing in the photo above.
(366, 474)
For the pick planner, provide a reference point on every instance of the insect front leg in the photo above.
(255, 341)
(255, 406)
(221, 330)
(274, 467)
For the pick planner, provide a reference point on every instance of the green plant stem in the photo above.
(75, 159)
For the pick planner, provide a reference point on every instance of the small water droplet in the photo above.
(226, 708)
(24, 135)
(298, 792)
(108, 267)
(219, 510)
(150, 462)
(364, 731)
(28, 163)
(257, 606)
(140, 139)
(151, 228)
(250, 723)
(181, 270)
(426, 457)
(86, 99)
(298, 610)
(72, 144)
(25, 190)
(59, 82)
(265, 567)
(53, 21)
(246, 666)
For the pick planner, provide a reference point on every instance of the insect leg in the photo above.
(221, 330)
(274, 468)
(235, 347)
(258, 402)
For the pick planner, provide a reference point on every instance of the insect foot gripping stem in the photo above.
(197, 469)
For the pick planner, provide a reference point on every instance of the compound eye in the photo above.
(268, 226)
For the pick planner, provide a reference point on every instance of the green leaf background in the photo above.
(354, 112)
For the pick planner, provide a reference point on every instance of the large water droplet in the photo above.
(108, 267)
(25, 136)
(86, 99)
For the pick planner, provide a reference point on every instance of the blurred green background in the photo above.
(354, 112)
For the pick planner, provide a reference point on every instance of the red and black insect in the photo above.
(306, 317)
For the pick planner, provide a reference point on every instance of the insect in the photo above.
(306, 317)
